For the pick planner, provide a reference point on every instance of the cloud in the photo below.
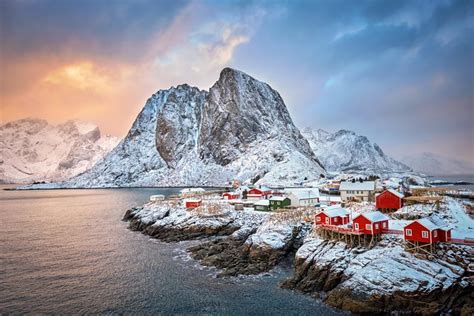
(90, 75)
(200, 42)
(81, 75)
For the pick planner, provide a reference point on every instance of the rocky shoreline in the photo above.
(380, 280)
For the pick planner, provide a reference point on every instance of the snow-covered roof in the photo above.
(262, 203)
(192, 200)
(359, 186)
(334, 211)
(374, 216)
(278, 198)
(426, 222)
(304, 193)
(396, 193)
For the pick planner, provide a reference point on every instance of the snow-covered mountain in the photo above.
(33, 150)
(345, 151)
(433, 164)
(240, 129)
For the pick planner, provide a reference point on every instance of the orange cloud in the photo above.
(110, 90)
(82, 75)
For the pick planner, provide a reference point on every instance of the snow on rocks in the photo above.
(383, 279)
(345, 151)
(34, 150)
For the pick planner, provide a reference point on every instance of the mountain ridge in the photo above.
(346, 151)
(240, 129)
(34, 150)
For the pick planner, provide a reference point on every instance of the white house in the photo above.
(303, 196)
(361, 191)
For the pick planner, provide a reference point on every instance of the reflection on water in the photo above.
(67, 251)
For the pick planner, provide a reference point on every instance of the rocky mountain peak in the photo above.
(239, 111)
(240, 129)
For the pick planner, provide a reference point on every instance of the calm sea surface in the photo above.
(456, 178)
(67, 251)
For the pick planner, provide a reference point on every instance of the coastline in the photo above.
(255, 242)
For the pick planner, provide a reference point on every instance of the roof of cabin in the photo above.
(192, 200)
(303, 194)
(396, 193)
(361, 186)
(278, 198)
(430, 224)
(374, 216)
(334, 211)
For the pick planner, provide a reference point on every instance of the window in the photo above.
(327, 220)
(356, 226)
(335, 220)
(376, 226)
(368, 227)
(384, 224)
(435, 233)
(318, 219)
(408, 232)
(424, 234)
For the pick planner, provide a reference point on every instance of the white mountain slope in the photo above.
(240, 129)
(33, 150)
(345, 151)
(433, 164)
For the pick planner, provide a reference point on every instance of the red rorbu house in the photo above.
(192, 203)
(425, 231)
(389, 200)
(259, 193)
(371, 223)
(230, 195)
(333, 216)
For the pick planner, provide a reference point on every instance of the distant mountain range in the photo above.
(33, 150)
(239, 129)
(435, 165)
(345, 151)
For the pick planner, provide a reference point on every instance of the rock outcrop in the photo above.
(381, 280)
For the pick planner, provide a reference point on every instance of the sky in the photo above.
(399, 72)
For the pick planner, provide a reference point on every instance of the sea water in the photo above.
(68, 252)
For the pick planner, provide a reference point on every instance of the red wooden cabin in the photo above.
(425, 231)
(259, 193)
(192, 203)
(332, 216)
(389, 200)
(371, 223)
(230, 195)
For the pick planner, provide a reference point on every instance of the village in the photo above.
(357, 212)
(352, 241)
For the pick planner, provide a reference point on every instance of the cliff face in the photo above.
(240, 111)
(240, 129)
